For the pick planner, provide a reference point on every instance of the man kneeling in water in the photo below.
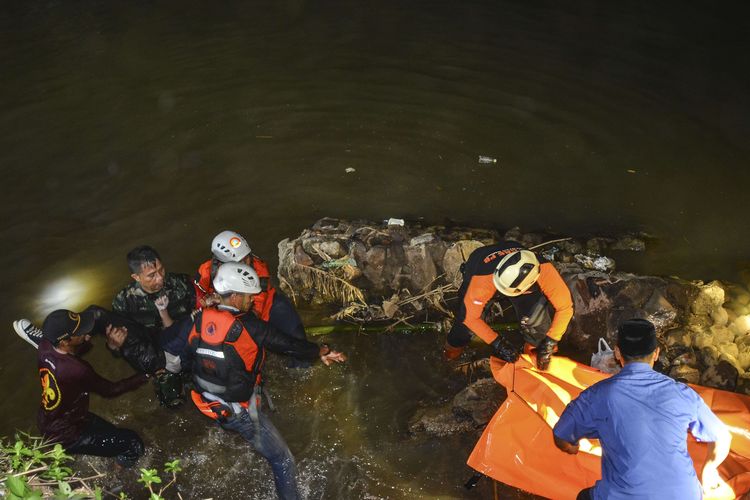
(67, 381)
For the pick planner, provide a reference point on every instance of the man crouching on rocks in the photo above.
(533, 286)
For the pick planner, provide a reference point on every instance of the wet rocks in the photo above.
(690, 316)
(479, 401)
(380, 272)
(381, 260)
(455, 255)
(685, 373)
(470, 409)
(438, 422)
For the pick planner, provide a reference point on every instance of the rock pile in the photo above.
(404, 274)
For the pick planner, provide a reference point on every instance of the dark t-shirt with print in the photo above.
(66, 383)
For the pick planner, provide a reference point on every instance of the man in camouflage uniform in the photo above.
(155, 299)
(160, 301)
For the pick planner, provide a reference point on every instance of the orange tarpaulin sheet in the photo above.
(517, 447)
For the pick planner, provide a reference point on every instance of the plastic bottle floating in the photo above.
(485, 160)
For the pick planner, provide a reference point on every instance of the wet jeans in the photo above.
(102, 439)
(267, 441)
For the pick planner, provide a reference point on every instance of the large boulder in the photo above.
(603, 300)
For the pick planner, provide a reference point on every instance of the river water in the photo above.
(165, 122)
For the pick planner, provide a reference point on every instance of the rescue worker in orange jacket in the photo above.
(532, 285)
(225, 348)
(269, 305)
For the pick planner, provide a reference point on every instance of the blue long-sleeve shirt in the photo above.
(641, 418)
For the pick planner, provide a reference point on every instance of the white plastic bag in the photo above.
(604, 360)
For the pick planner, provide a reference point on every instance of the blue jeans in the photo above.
(267, 441)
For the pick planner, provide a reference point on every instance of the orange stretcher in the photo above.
(517, 447)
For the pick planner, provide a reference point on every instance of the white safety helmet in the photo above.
(234, 277)
(229, 246)
(516, 273)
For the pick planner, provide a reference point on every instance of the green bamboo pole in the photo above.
(381, 328)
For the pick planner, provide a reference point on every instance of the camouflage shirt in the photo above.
(134, 303)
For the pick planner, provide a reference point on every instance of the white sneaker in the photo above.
(27, 331)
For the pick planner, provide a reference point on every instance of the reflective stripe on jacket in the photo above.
(226, 360)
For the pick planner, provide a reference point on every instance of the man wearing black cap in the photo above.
(67, 380)
(640, 417)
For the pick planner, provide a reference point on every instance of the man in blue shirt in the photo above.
(641, 417)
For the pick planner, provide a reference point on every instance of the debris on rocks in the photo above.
(405, 275)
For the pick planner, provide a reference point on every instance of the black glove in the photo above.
(504, 350)
(544, 352)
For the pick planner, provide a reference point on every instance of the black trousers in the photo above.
(102, 439)
(584, 494)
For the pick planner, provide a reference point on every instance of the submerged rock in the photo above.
(479, 401)
(470, 409)
(439, 423)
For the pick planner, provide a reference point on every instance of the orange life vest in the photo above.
(227, 361)
(262, 302)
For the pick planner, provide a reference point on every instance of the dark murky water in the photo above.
(162, 124)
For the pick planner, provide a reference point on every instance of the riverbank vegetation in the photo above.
(31, 468)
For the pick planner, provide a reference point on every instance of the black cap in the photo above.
(636, 338)
(62, 324)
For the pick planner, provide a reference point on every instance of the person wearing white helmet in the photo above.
(269, 305)
(533, 287)
(225, 349)
(227, 246)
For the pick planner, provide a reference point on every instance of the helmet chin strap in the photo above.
(227, 307)
(236, 303)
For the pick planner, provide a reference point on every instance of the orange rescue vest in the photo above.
(227, 361)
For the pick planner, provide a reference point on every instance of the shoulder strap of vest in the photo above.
(197, 322)
(234, 334)
(234, 331)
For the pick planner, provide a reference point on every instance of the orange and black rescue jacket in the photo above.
(478, 289)
(227, 362)
(262, 302)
